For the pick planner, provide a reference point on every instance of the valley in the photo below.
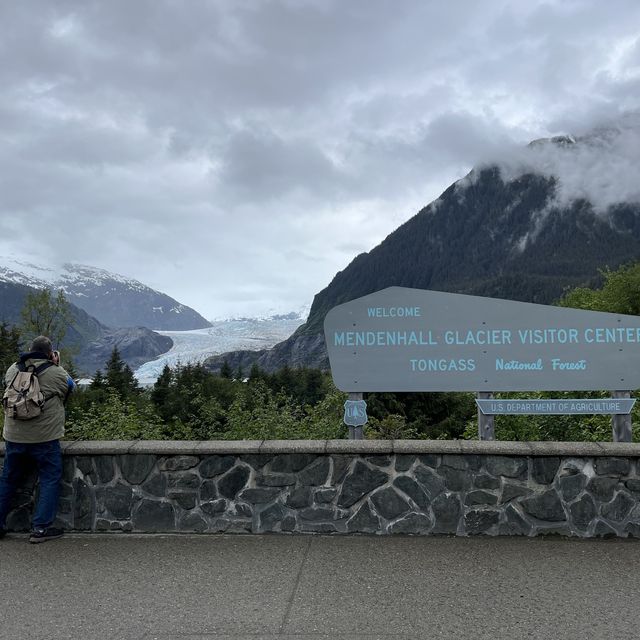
(223, 336)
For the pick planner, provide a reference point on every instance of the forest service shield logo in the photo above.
(355, 413)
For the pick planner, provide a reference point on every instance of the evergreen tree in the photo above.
(9, 346)
(129, 382)
(314, 386)
(69, 367)
(98, 381)
(192, 397)
(286, 381)
(115, 367)
(255, 373)
(119, 376)
(225, 370)
(162, 392)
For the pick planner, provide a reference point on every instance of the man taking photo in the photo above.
(36, 388)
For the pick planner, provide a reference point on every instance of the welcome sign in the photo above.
(401, 339)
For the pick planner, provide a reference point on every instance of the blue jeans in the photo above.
(48, 459)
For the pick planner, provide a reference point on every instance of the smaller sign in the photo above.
(572, 406)
(355, 413)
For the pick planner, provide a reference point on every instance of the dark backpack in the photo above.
(23, 399)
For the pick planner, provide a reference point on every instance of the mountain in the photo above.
(84, 328)
(114, 300)
(136, 345)
(528, 227)
(300, 350)
(91, 341)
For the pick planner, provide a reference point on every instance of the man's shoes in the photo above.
(42, 535)
(3, 533)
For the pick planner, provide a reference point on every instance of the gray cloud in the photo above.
(601, 167)
(236, 154)
(259, 165)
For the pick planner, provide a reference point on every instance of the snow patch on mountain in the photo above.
(114, 299)
(80, 275)
(66, 276)
(270, 315)
(26, 273)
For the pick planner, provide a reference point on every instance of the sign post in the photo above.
(621, 423)
(486, 425)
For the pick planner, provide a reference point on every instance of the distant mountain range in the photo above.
(91, 341)
(513, 230)
(115, 300)
(111, 310)
(108, 310)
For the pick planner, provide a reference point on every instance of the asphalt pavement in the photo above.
(190, 587)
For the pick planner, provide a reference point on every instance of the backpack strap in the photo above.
(21, 369)
(38, 370)
(45, 365)
(12, 380)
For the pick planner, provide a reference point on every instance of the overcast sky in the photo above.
(237, 154)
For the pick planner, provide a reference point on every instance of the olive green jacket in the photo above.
(49, 425)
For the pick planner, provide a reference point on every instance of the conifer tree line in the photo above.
(189, 402)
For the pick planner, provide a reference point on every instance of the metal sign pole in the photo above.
(486, 423)
(621, 423)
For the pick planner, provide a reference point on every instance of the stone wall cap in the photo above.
(165, 447)
(360, 446)
(97, 447)
(426, 446)
(495, 447)
(222, 447)
(567, 449)
(238, 447)
(293, 446)
(631, 449)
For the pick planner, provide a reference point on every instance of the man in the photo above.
(37, 439)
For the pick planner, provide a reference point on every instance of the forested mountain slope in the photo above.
(509, 230)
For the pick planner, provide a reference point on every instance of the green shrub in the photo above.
(116, 419)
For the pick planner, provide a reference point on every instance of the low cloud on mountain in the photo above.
(601, 165)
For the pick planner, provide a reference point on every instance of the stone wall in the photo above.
(379, 487)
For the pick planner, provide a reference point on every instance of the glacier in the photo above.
(191, 347)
